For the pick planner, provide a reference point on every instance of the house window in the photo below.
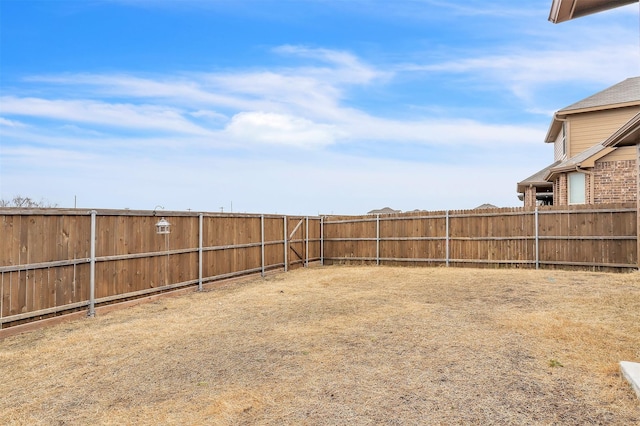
(577, 188)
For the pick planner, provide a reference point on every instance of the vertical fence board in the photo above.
(9, 245)
(5, 283)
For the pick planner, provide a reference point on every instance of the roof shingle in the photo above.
(624, 92)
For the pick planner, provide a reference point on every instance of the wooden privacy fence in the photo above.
(54, 261)
(603, 237)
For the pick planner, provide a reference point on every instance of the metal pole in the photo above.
(262, 245)
(166, 261)
(306, 243)
(92, 267)
(200, 228)
(447, 237)
(378, 239)
(286, 248)
(322, 240)
(537, 240)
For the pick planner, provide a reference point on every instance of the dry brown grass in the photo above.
(343, 345)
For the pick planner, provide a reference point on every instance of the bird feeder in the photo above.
(162, 227)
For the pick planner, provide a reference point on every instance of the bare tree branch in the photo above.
(26, 202)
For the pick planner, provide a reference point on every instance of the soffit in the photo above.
(565, 10)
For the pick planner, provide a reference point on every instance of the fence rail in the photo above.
(55, 261)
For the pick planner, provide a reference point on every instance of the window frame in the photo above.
(581, 184)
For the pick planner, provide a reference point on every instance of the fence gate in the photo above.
(297, 245)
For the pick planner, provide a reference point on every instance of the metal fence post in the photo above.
(378, 239)
(262, 245)
(537, 232)
(322, 240)
(286, 248)
(92, 267)
(306, 243)
(200, 228)
(447, 237)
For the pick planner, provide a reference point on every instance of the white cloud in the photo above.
(149, 117)
(280, 129)
(525, 71)
(210, 115)
(277, 92)
(10, 123)
(347, 68)
(37, 157)
(311, 90)
(442, 132)
(182, 90)
(72, 128)
(481, 8)
(560, 56)
(302, 107)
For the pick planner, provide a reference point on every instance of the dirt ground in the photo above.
(343, 346)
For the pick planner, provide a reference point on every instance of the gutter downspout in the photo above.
(92, 266)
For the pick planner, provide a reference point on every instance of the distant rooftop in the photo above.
(384, 210)
(486, 206)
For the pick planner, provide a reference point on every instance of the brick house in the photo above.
(611, 180)
(590, 165)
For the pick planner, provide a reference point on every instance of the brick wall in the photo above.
(589, 191)
(560, 190)
(530, 196)
(615, 181)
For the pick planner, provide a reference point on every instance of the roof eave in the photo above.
(566, 10)
(522, 186)
(588, 162)
(552, 174)
(628, 134)
(554, 128)
(560, 10)
(565, 112)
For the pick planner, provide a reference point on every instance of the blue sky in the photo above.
(291, 106)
